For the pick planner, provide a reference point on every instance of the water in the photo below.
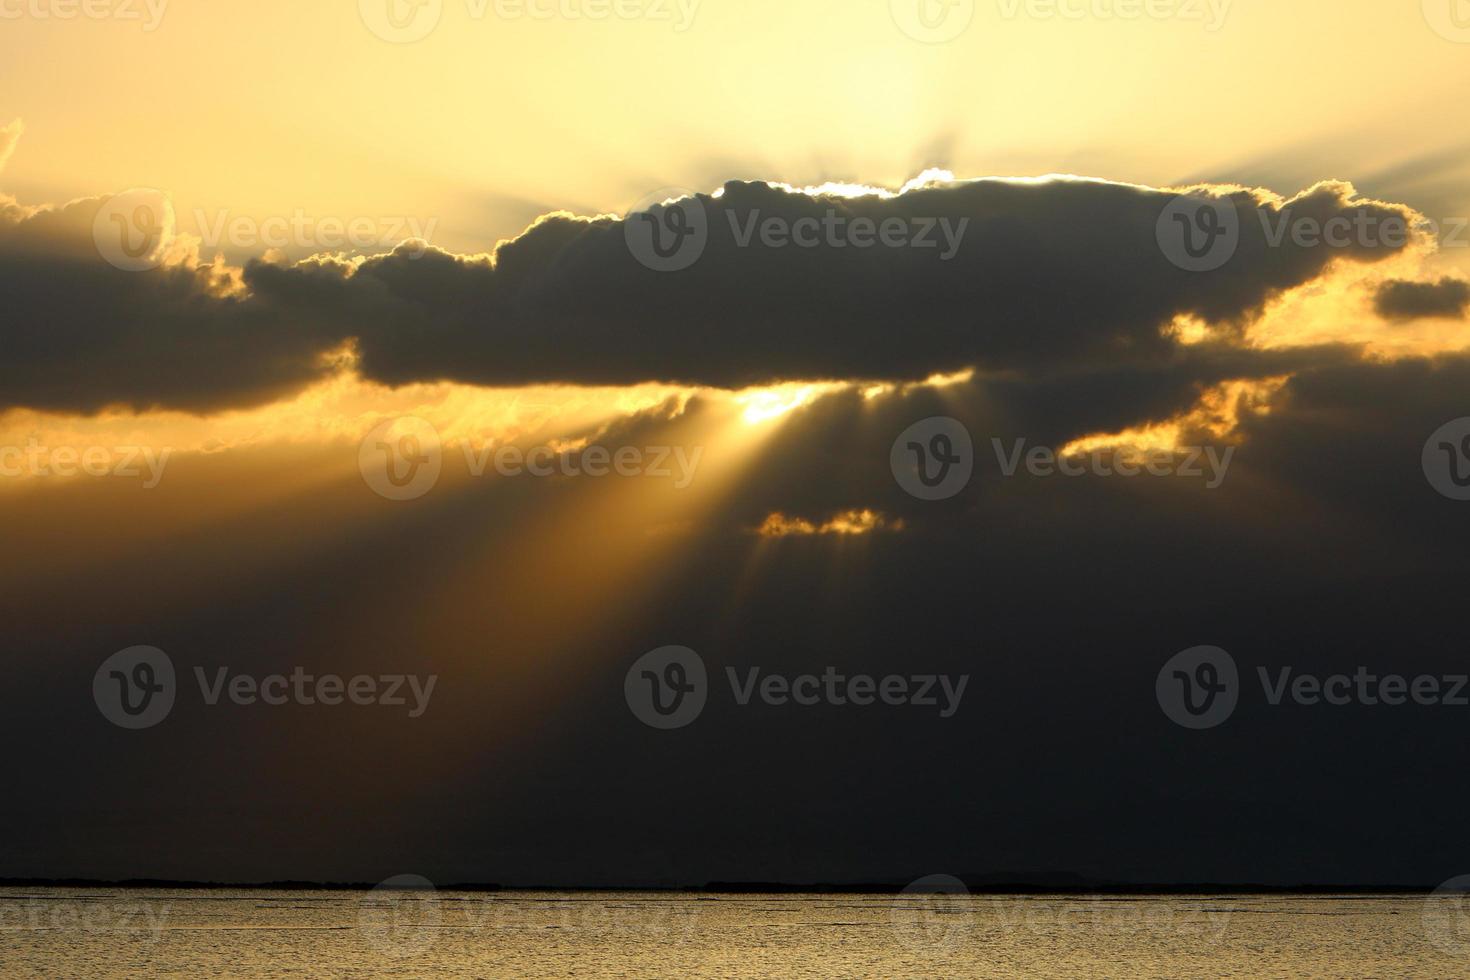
(92, 933)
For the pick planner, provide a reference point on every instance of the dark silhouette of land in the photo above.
(975, 885)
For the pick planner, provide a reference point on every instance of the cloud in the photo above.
(848, 522)
(1399, 299)
(1042, 277)
(81, 335)
(1045, 273)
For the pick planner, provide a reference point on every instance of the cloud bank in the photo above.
(1022, 279)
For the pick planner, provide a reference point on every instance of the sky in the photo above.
(489, 121)
(345, 339)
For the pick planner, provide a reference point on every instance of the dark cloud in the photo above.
(1043, 276)
(1400, 299)
(79, 334)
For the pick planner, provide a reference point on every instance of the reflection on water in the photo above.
(90, 933)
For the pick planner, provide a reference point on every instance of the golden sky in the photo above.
(267, 107)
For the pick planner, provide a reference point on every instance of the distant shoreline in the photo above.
(748, 888)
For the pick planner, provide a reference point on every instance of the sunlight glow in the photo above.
(764, 404)
(1216, 417)
(848, 522)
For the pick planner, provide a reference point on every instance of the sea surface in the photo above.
(93, 933)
